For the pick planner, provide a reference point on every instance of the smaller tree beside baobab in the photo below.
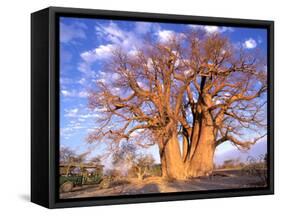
(70, 160)
(142, 165)
(187, 95)
(123, 158)
(131, 163)
(67, 158)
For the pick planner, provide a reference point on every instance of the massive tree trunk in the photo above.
(174, 163)
(201, 162)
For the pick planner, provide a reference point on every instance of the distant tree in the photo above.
(126, 160)
(142, 164)
(70, 159)
(66, 154)
(123, 158)
(67, 158)
(229, 163)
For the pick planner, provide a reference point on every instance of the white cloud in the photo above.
(218, 101)
(67, 93)
(92, 130)
(78, 127)
(150, 64)
(227, 94)
(102, 109)
(70, 32)
(249, 43)
(133, 53)
(117, 37)
(82, 81)
(103, 81)
(113, 37)
(105, 77)
(101, 52)
(66, 132)
(226, 29)
(64, 92)
(65, 81)
(116, 90)
(165, 35)
(83, 94)
(111, 32)
(84, 67)
(137, 133)
(78, 120)
(211, 29)
(81, 119)
(143, 27)
(73, 93)
(115, 76)
(71, 112)
(187, 72)
(89, 115)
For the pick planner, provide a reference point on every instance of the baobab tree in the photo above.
(187, 95)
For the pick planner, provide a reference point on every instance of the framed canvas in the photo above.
(138, 107)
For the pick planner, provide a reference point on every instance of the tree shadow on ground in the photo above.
(213, 183)
(148, 188)
(163, 186)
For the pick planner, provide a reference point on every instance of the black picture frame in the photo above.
(45, 106)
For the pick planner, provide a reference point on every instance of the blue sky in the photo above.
(84, 46)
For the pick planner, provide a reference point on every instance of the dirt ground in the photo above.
(219, 180)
